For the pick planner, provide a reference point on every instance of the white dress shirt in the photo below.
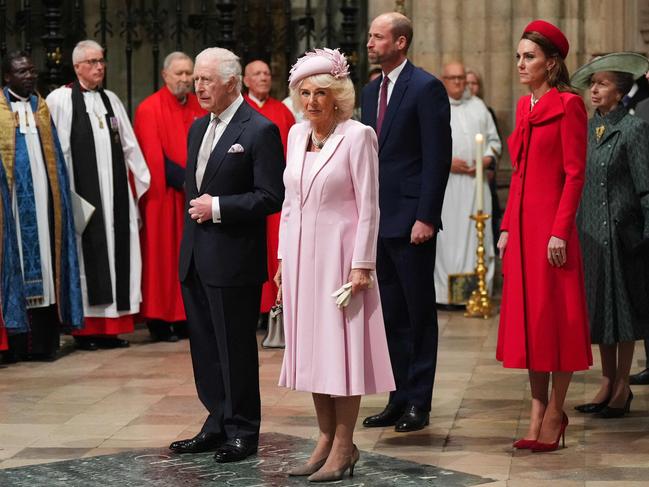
(392, 76)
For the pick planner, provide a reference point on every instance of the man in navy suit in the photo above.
(235, 162)
(409, 110)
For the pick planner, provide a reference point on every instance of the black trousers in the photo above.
(406, 280)
(222, 324)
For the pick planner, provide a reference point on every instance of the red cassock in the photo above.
(161, 127)
(543, 318)
(280, 115)
(4, 344)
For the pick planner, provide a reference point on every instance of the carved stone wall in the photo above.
(484, 33)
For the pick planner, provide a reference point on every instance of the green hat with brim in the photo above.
(624, 62)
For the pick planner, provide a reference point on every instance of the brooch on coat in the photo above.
(599, 132)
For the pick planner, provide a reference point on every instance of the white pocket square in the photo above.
(236, 148)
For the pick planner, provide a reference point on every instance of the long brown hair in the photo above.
(558, 76)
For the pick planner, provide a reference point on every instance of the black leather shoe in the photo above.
(611, 413)
(412, 420)
(640, 379)
(592, 407)
(387, 417)
(200, 443)
(235, 450)
(112, 342)
(86, 343)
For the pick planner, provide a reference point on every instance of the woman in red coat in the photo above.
(543, 321)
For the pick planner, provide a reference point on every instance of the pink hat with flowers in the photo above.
(319, 61)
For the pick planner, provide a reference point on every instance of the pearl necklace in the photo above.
(320, 143)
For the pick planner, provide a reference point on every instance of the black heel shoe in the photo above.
(610, 413)
(592, 407)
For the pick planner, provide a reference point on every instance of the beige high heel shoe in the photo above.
(307, 468)
(334, 475)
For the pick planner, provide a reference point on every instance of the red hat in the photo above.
(552, 33)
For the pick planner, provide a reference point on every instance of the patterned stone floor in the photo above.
(117, 401)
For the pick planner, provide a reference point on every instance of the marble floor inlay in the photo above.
(111, 405)
(277, 453)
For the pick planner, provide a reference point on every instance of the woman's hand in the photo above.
(502, 243)
(360, 279)
(278, 282)
(557, 252)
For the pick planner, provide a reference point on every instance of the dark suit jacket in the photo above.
(414, 150)
(249, 186)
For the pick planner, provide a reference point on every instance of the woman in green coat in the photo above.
(613, 221)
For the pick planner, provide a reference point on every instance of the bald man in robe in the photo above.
(162, 123)
(258, 80)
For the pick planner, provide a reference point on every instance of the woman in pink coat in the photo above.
(328, 237)
(543, 319)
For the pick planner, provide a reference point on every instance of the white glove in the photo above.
(343, 295)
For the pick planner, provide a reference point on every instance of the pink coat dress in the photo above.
(329, 225)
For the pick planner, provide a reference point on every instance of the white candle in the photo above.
(479, 172)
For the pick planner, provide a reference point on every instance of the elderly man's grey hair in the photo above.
(226, 61)
(79, 52)
(174, 56)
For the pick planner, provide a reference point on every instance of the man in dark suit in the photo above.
(233, 181)
(410, 111)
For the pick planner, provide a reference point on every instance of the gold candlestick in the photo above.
(479, 304)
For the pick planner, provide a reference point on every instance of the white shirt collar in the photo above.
(394, 74)
(16, 95)
(259, 102)
(227, 114)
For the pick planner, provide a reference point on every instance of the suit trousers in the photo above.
(222, 323)
(406, 281)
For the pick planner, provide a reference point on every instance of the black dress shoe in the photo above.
(610, 413)
(112, 342)
(86, 343)
(592, 407)
(200, 443)
(412, 420)
(387, 417)
(640, 379)
(235, 450)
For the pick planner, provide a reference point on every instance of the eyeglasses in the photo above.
(94, 62)
(454, 78)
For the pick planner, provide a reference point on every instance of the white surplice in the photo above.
(60, 105)
(27, 127)
(457, 242)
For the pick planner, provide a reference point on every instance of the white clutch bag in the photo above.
(81, 212)
(344, 294)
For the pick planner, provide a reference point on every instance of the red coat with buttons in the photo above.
(543, 320)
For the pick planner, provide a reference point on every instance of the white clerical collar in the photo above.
(260, 103)
(466, 96)
(394, 74)
(89, 90)
(16, 95)
(226, 115)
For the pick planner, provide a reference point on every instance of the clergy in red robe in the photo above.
(257, 78)
(162, 122)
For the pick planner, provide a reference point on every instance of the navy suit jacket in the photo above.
(414, 150)
(249, 186)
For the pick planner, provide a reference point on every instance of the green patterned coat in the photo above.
(615, 200)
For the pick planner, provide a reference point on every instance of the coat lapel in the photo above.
(192, 152)
(229, 137)
(323, 157)
(371, 104)
(398, 91)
